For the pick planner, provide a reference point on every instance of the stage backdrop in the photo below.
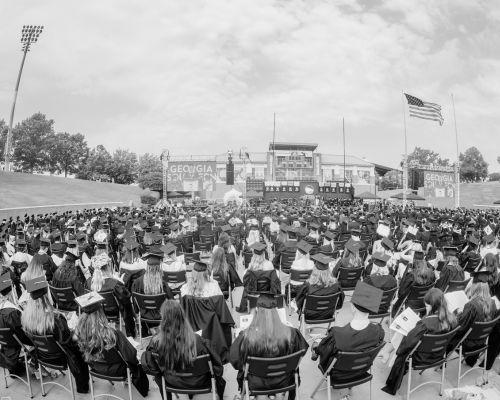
(439, 184)
(191, 176)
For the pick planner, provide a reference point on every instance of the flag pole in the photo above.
(343, 139)
(457, 167)
(274, 151)
(405, 160)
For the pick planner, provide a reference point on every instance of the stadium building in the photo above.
(283, 167)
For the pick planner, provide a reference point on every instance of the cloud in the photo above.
(199, 77)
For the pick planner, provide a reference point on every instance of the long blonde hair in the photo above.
(94, 335)
(34, 270)
(481, 292)
(38, 316)
(321, 278)
(257, 262)
(152, 280)
(219, 262)
(196, 284)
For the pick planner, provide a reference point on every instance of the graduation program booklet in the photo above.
(405, 322)
(456, 300)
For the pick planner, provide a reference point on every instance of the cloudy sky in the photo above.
(202, 76)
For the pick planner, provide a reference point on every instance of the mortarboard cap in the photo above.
(366, 298)
(200, 266)
(58, 248)
(381, 257)
(225, 228)
(473, 240)
(169, 248)
(321, 261)
(5, 283)
(314, 226)
(131, 245)
(304, 247)
(37, 287)
(450, 251)
(154, 252)
(71, 256)
(89, 302)
(352, 246)
(330, 235)
(387, 243)
(480, 276)
(258, 247)
(45, 242)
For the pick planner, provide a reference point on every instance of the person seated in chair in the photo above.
(359, 335)
(98, 342)
(378, 274)
(200, 284)
(266, 337)
(451, 271)
(175, 347)
(320, 283)
(437, 321)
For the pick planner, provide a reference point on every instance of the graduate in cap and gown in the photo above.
(358, 335)
(40, 318)
(176, 346)
(320, 283)
(10, 317)
(437, 321)
(266, 337)
(69, 275)
(98, 341)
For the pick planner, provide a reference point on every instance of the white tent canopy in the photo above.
(233, 195)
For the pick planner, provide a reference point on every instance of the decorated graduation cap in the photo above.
(353, 246)
(89, 302)
(258, 247)
(200, 266)
(366, 298)
(380, 258)
(37, 287)
(304, 247)
(387, 243)
(267, 300)
(322, 261)
(5, 284)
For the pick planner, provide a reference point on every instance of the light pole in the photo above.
(165, 157)
(29, 35)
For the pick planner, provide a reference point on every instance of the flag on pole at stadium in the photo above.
(423, 109)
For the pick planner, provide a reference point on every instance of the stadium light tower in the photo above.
(30, 34)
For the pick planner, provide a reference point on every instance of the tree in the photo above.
(67, 152)
(123, 167)
(150, 172)
(473, 168)
(31, 143)
(427, 157)
(96, 165)
(494, 177)
(3, 138)
(391, 180)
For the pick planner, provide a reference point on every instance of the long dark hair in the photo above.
(422, 273)
(94, 335)
(176, 340)
(435, 298)
(219, 262)
(266, 336)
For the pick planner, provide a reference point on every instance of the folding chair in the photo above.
(208, 239)
(434, 344)
(111, 307)
(192, 256)
(272, 368)
(247, 257)
(360, 362)
(456, 286)
(384, 309)
(478, 332)
(148, 302)
(202, 365)
(286, 260)
(64, 298)
(112, 356)
(326, 304)
(415, 299)
(297, 276)
(47, 349)
(339, 245)
(9, 339)
(349, 277)
(175, 278)
(228, 294)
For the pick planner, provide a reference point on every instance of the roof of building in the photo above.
(338, 159)
(293, 146)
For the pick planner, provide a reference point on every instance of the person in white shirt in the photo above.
(490, 246)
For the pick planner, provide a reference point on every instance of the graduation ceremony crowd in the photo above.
(95, 279)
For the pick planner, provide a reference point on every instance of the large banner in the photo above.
(439, 184)
(296, 189)
(191, 176)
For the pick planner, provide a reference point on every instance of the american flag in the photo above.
(424, 109)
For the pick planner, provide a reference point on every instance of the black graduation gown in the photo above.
(306, 288)
(449, 273)
(48, 265)
(69, 277)
(9, 356)
(138, 287)
(472, 312)
(203, 347)
(405, 286)
(345, 338)
(212, 316)
(238, 360)
(251, 285)
(124, 302)
(76, 363)
(231, 263)
(429, 324)
(129, 354)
